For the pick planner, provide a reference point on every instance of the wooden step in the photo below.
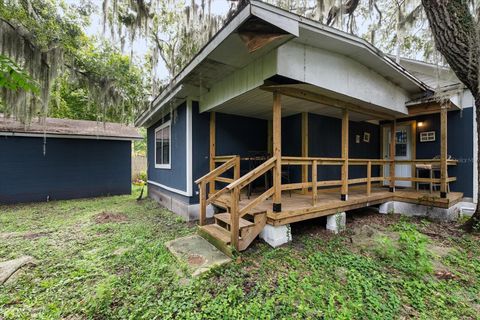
(218, 232)
(217, 236)
(226, 218)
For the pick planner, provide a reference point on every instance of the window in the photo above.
(162, 146)
(401, 143)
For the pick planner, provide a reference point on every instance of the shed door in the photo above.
(403, 151)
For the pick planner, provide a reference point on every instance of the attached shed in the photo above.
(59, 159)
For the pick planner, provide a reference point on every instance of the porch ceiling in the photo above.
(257, 103)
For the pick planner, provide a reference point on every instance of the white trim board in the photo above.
(189, 151)
(475, 156)
(169, 164)
(64, 136)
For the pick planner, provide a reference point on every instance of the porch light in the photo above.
(420, 124)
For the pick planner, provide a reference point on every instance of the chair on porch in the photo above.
(254, 159)
(434, 171)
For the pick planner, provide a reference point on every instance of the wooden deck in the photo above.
(298, 207)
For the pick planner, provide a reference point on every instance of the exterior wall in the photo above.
(240, 81)
(234, 135)
(460, 145)
(70, 168)
(173, 180)
(240, 135)
(325, 136)
(341, 74)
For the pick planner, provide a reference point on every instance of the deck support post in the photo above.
(234, 218)
(393, 140)
(212, 149)
(270, 137)
(344, 189)
(336, 222)
(304, 149)
(369, 178)
(277, 152)
(203, 204)
(314, 182)
(443, 151)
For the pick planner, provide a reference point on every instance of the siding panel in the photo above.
(71, 168)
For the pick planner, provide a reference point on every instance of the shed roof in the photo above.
(66, 128)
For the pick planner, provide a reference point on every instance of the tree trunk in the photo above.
(455, 32)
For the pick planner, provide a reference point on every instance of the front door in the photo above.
(403, 151)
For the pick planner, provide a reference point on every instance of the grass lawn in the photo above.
(105, 258)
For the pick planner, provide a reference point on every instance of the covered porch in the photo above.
(317, 191)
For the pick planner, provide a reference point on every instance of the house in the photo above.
(56, 159)
(280, 119)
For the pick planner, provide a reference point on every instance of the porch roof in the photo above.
(226, 53)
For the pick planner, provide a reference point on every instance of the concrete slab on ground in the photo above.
(199, 254)
(8, 268)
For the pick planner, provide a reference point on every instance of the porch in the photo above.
(357, 182)
(297, 206)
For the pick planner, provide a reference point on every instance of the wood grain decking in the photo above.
(298, 207)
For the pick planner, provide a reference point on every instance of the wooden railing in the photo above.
(314, 184)
(235, 189)
(228, 162)
(235, 185)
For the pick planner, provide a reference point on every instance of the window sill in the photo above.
(163, 166)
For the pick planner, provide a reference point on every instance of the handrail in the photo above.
(217, 171)
(223, 158)
(252, 175)
(264, 196)
(211, 178)
(323, 161)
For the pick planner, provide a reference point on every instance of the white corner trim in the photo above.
(475, 156)
(169, 164)
(183, 193)
(189, 151)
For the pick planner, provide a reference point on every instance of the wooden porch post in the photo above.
(270, 137)
(393, 140)
(304, 149)
(443, 152)
(344, 191)
(212, 149)
(277, 152)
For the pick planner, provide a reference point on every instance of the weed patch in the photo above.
(123, 270)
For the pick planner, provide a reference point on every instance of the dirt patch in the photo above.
(368, 236)
(35, 235)
(25, 235)
(108, 217)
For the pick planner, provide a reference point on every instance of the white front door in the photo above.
(403, 151)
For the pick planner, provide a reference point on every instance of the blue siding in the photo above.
(324, 140)
(240, 135)
(177, 175)
(71, 168)
(460, 145)
(200, 145)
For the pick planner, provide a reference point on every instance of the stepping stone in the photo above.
(8, 268)
(199, 254)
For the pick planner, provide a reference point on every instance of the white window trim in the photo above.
(169, 165)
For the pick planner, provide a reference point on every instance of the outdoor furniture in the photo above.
(254, 159)
(432, 169)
